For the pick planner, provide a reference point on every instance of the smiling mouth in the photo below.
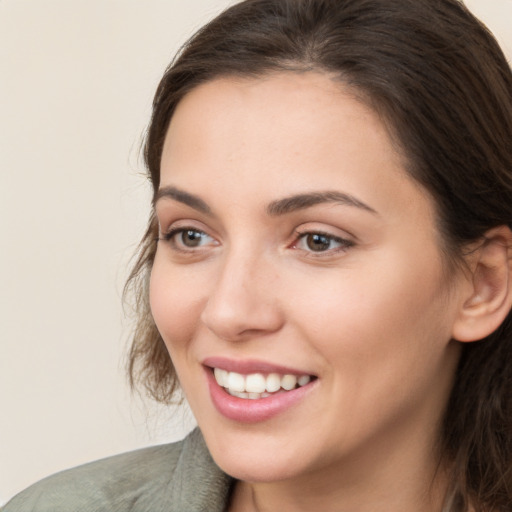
(254, 386)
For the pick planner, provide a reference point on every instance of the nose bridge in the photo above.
(243, 299)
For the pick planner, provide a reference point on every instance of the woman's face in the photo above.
(292, 242)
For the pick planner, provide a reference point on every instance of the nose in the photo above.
(243, 303)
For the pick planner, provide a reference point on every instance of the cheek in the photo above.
(388, 315)
(176, 299)
(384, 337)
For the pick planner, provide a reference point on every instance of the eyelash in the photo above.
(169, 237)
(344, 244)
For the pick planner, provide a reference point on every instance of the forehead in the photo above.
(285, 112)
(286, 125)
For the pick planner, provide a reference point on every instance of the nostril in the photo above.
(238, 320)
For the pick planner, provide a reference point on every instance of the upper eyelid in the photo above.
(167, 212)
(338, 238)
(323, 232)
(180, 229)
(300, 231)
(333, 232)
(182, 223)
(179, 247)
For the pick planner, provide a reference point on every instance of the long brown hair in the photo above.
(444, 87)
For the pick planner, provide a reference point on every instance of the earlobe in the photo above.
(489, 300)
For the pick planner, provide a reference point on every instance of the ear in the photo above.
(489, 297)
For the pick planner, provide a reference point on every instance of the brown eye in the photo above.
(318, 242)
(191, 237)
(322, 242)
(188, 238)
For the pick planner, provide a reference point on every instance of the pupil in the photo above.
(191, 238)
(318, 242)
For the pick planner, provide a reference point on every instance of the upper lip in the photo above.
(248, 366)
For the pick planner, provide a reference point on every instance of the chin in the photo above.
(264, 468)
(254, 456)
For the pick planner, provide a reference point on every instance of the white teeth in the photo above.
(239, 394)
(256, 385)
(273, 382)
(236, 382)
(288, 382)
(303, 380)
(221, 376)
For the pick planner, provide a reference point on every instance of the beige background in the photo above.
(76, 82)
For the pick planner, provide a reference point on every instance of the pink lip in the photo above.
(254, 411)
(250, 366)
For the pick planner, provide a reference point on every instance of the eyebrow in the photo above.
(303, 201)
(181, 196)
(275, 208)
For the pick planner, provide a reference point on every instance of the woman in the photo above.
(327, 264)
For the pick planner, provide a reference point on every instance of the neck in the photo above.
(392, 476)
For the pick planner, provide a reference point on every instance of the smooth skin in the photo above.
(352, 289)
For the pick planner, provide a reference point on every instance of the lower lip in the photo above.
(253, 411)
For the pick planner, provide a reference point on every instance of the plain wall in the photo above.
(76, 83)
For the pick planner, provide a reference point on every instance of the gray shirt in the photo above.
(178, 477)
